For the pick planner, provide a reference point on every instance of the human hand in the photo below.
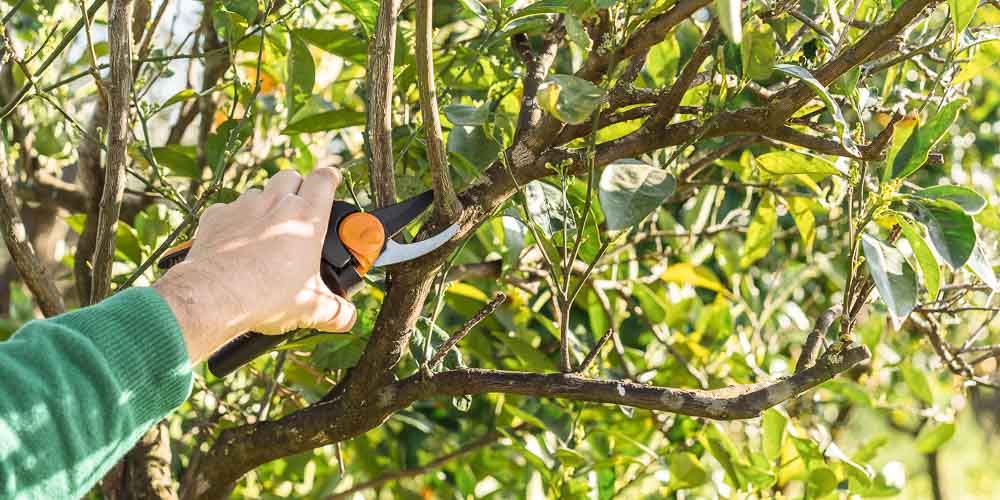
(255, 266)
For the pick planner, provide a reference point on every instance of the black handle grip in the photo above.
(242, 350)
(251, 345)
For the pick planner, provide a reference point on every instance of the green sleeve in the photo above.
(78, 390)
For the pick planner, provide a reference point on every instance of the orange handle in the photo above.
(364, 237)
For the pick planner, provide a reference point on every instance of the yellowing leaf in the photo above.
(686, 273)
(760, 234)
(468, 291)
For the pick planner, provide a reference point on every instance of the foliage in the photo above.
(703, 179)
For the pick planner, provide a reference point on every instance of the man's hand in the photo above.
(255, 266)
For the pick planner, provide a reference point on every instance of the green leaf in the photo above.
(980, 265)
(962, 12)
(570, 458)
(917, 382)
(773, 434)
(366, 11)
(181, 96)
(893, 276)
(970, 201)
(759, 51)
(338, 42)
(760, 234)
(462, 114)
(577, 33)
(821, 482)
(933, 437)
(301, 75)
(663, 61)
(324, 121)
(546, 207)
(630, 190)
(568, 98)
(686, 471)
(929, 265)
(477, 8)
(127, 244)
(724, 452)
(820, 90)
(952, 232)
(914, 152)
(730, 18)
(527, 353)
(472, 145)
(180, 160)
(791, 163)
(245, 8)
(801, 210)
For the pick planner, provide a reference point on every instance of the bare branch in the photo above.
(15, 236)
(728, 403)
(596, 351)
(445, 202)
(811, 348)
(471, 323)
(537, 67)
(378, 128)
(669, 102)
(119, 89)
(488, 440)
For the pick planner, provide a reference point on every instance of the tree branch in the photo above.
(15, 236)
(119, 89)
(728, 403)
(669, 101)
(445, 202)
(378, 127)
(811, 348)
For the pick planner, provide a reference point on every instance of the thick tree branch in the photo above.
(671, 100)
(536, 68)
(378, 127)
(15, 236)
(119, 90)
(793, 97)
(445, 202)
(728, 403)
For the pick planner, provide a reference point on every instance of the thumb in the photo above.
(333, 313)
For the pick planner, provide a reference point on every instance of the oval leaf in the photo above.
(894, 278)
(630, 190)
(933, 437)
(951, 231)
(914, 152)
(970, 201)
(928, 263)
(568, 98)
(790, 163)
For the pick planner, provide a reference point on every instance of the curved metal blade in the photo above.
(395, 253)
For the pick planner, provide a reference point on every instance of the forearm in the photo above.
(79, 390)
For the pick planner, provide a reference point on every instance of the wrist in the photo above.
(202, 309)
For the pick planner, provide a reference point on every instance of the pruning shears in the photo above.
(356, 241)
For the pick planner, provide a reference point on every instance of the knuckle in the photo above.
(326, 174)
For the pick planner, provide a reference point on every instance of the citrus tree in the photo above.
(701, 244)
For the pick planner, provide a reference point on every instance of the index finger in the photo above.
(318, 188)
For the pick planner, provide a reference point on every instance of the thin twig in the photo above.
(592, 355)
(471, 323)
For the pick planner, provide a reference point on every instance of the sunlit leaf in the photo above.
(932, 437)
(917, 147)
(760, 234)
(838, 117)
(970, 201)
(730, 18)
(687, 274)
(916, 380)
(893, 276)
(929, 266)
(790, 162)
(630, 190)
(952, 232)
(568, 98)
(758, 51)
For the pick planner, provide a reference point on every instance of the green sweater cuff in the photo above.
(137, 333)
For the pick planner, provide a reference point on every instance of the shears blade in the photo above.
(395, 253)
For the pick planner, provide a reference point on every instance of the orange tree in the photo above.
(673, 213)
